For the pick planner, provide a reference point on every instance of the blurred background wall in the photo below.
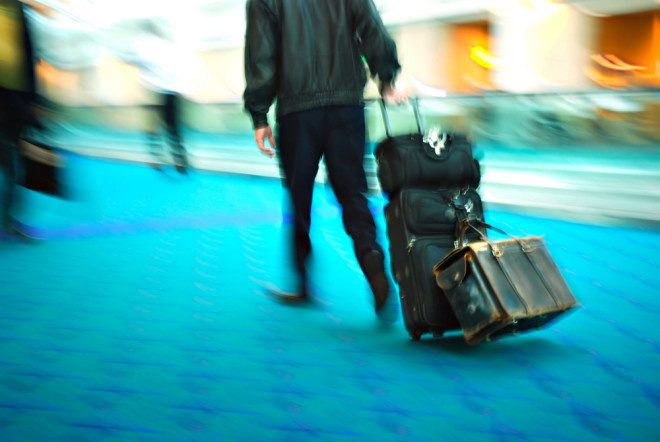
(511, 45)
(541, 76)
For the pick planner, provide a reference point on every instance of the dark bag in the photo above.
(43, 168)
(418, 160)
(422, 229)
(502, 287)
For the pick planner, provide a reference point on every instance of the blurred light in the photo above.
(51, 75)
(549, 5)
(484, 58)
(616, 60)
(604, 62)
(507, 7)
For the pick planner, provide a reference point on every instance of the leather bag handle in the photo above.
(470, 224)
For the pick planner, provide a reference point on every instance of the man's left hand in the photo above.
(39, 7)
(260, 136)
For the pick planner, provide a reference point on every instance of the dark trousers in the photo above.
(336, 133)
(8, 171)
(168, 114)
(12, 118)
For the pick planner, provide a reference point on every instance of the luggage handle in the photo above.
(386, 118)
(435, 138)
(497, 252)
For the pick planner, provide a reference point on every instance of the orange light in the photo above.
(484, 58)
(614, 63)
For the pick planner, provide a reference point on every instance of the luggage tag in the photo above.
(435, 137)
(435, 140)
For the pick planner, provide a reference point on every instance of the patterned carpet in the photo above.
(140, 317)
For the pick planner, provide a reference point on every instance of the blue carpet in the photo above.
(140, 317)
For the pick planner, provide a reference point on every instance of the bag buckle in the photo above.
(437, 142)
(527, 248)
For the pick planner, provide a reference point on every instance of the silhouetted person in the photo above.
(17, 101)
(308, 56)
(162, 66)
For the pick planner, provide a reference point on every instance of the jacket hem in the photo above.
(319, 99)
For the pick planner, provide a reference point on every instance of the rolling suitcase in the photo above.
(502, 287)
(424, 160)
(423, 227)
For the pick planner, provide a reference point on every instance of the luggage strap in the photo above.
(470, 224)
(464, 209)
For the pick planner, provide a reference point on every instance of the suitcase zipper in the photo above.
(411, 244)
(418, 309)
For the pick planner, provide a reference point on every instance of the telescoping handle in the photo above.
(386, 118)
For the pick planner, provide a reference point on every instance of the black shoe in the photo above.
(156, 166)
(183, 170)
(373, 266)
(290, 297)
(181, 164)
(17, 230)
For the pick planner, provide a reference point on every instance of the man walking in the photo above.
(308, 55)
(17, 98)
(165, 69)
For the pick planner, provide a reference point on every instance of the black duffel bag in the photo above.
(418, 160)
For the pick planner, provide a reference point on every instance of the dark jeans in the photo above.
(338, 134)
(168, 113)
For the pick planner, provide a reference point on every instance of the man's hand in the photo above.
(393, 95)
(260, 135)
(40, 8)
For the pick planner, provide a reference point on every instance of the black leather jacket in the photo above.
(308, 54)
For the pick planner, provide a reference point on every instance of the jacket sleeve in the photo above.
(29, 56)
(260, 61)
(375, 43)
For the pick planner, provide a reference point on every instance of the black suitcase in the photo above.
(422, 227)
(424, 160)
(499, 288)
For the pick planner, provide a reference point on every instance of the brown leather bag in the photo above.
(502, 287)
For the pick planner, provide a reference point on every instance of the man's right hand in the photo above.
(393, 95)
(260, 136)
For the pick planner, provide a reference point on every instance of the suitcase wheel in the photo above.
(415, 334)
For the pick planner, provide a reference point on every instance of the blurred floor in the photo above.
(140, 317)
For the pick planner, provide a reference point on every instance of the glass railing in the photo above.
(586, 154)
(593, 118)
